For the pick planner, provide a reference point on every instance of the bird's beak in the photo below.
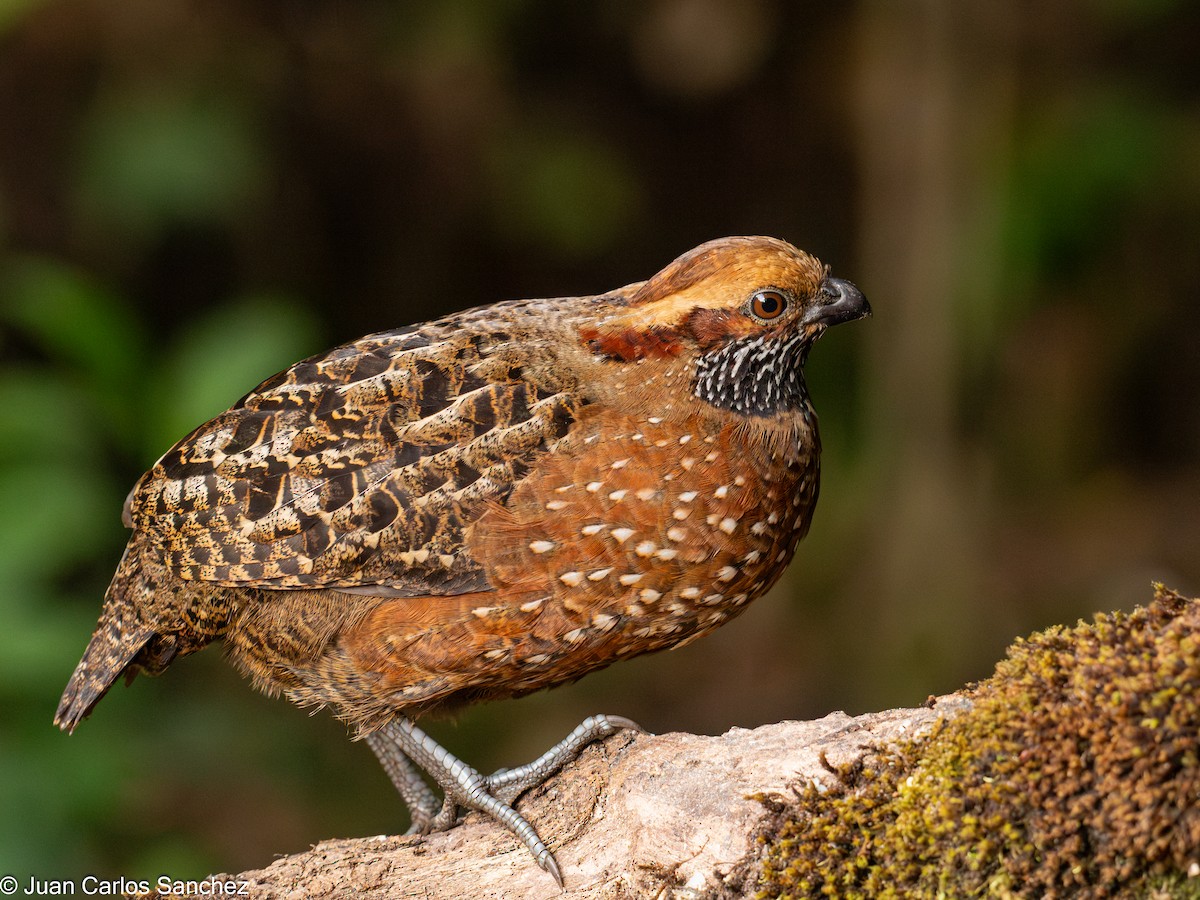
(837, 301)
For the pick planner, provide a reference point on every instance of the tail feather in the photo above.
(108, 655)
(147, 621)
(121, 634)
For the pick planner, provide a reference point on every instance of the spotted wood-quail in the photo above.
(482, 506)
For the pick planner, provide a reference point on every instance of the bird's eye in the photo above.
(768, 305)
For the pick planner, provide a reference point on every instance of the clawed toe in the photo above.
(509, 784)
(402, 747)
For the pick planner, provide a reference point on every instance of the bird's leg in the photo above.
(402, 747)
(447, 816)
(466, 787)
(421, 802)
(508, 784)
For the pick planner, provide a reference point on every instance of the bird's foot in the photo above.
(509, 784)
(401, 746)
(464, 786)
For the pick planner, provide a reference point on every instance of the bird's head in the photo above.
(744, 311)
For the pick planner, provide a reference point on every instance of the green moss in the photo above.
(1075, 773)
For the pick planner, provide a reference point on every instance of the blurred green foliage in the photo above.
(569, 195)
(155, 156)
(193, 197)
(93, 396)
(1079, 169)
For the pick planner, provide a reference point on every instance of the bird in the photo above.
(485, 505)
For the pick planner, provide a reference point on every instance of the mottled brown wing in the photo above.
(358, 469)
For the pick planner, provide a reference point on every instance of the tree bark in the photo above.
(671, 815)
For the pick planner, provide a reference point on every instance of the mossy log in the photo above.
(1074, 771)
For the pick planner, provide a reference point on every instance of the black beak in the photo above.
(837, 301)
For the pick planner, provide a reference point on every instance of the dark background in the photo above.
(194, 195)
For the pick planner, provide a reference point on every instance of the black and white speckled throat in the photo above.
(757, 376)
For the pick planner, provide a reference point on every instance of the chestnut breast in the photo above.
(634, 535)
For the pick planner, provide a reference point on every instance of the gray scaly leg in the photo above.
(420, 800)
(402, 747)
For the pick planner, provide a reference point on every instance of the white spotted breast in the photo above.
(661, 534)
